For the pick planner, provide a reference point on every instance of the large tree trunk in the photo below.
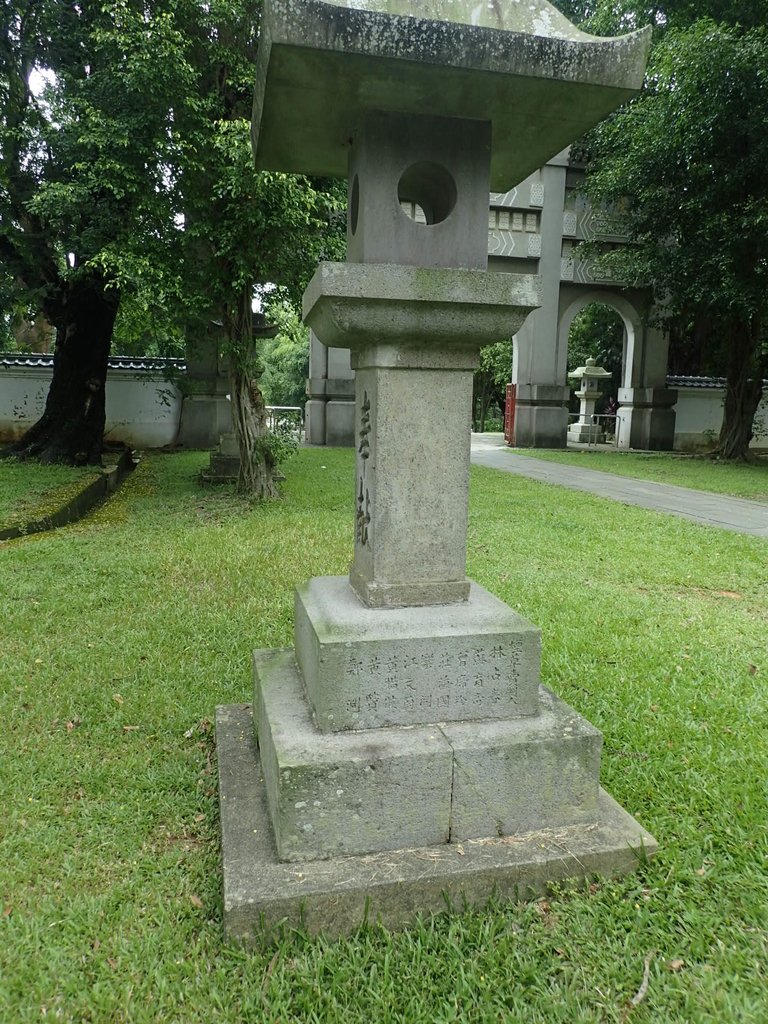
(71, 429)
(744, 390)
(249, 414)
(249, 419)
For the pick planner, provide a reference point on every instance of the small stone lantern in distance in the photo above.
(587, 429)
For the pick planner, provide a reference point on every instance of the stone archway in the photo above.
(631, 316)
(646, 417)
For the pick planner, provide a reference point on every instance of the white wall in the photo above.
(142, 409)
(700, 410)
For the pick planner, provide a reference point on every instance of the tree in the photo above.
(490, 380)
(285, 357)
(686, 163)
(85, 186)
(131, 173)
(260, 229)
(607, 17)
(244, 229)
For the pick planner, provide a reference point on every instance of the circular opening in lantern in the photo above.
(429, 188)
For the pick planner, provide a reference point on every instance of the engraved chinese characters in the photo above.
(363, 503)
(363, 670)
(438, 683)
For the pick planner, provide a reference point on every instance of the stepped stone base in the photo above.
(332, 794)
(334, 896)
(334, 799)
(367, 668)
(345, 793)
(586, 433)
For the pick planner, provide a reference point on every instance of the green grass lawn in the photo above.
(742, 480)
(121, 633)
(29, 491)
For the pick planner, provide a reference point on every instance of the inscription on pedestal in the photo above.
(478, 661)
(439, 683)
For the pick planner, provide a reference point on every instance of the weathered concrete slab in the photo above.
(335, 896)
(331, 794)
(364, 670)
(523, 67)
(519, 776)
(391, 306)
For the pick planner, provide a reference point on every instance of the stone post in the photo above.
(646, 416)
(330, 409)
(206, 413)
(541, 398)
(409, 715)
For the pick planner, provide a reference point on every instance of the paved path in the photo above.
(727, 513)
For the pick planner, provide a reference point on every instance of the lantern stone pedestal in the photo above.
(587, 430)
(403, 752)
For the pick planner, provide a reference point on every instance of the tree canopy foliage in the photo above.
(88, 96)
(685, 163)
(127, 171)
(243, 228)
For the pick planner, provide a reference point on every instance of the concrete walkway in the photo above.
(720, 510)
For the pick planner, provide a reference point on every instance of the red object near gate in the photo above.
(509, 415)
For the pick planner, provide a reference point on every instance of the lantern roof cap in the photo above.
(520, 64)
(591, 369)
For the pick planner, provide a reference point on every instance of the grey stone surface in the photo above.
(357, 306)
(436, 165)
(339, 422)
(541, 415)
(589, 432)
(411, 504)
(646, 418)
(367, 81)
(223, 469)
(515, 777)
(345, 793)
(364, 669)
(229, 447)
(321, 64)
(339, 366)
(314, 421)
(335, 896)
(414, 334)
(340, 388)
(717, 510)
(541, 426)
(330, 408)
(204, 418)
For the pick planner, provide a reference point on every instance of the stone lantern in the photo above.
(407, 723)
(586, 430)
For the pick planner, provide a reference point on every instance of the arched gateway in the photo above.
(534, 228)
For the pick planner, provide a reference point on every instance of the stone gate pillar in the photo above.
(646, 417)
(206, 412)
(539, 365)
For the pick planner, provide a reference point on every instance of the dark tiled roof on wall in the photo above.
(700, 382)
(145, 364)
